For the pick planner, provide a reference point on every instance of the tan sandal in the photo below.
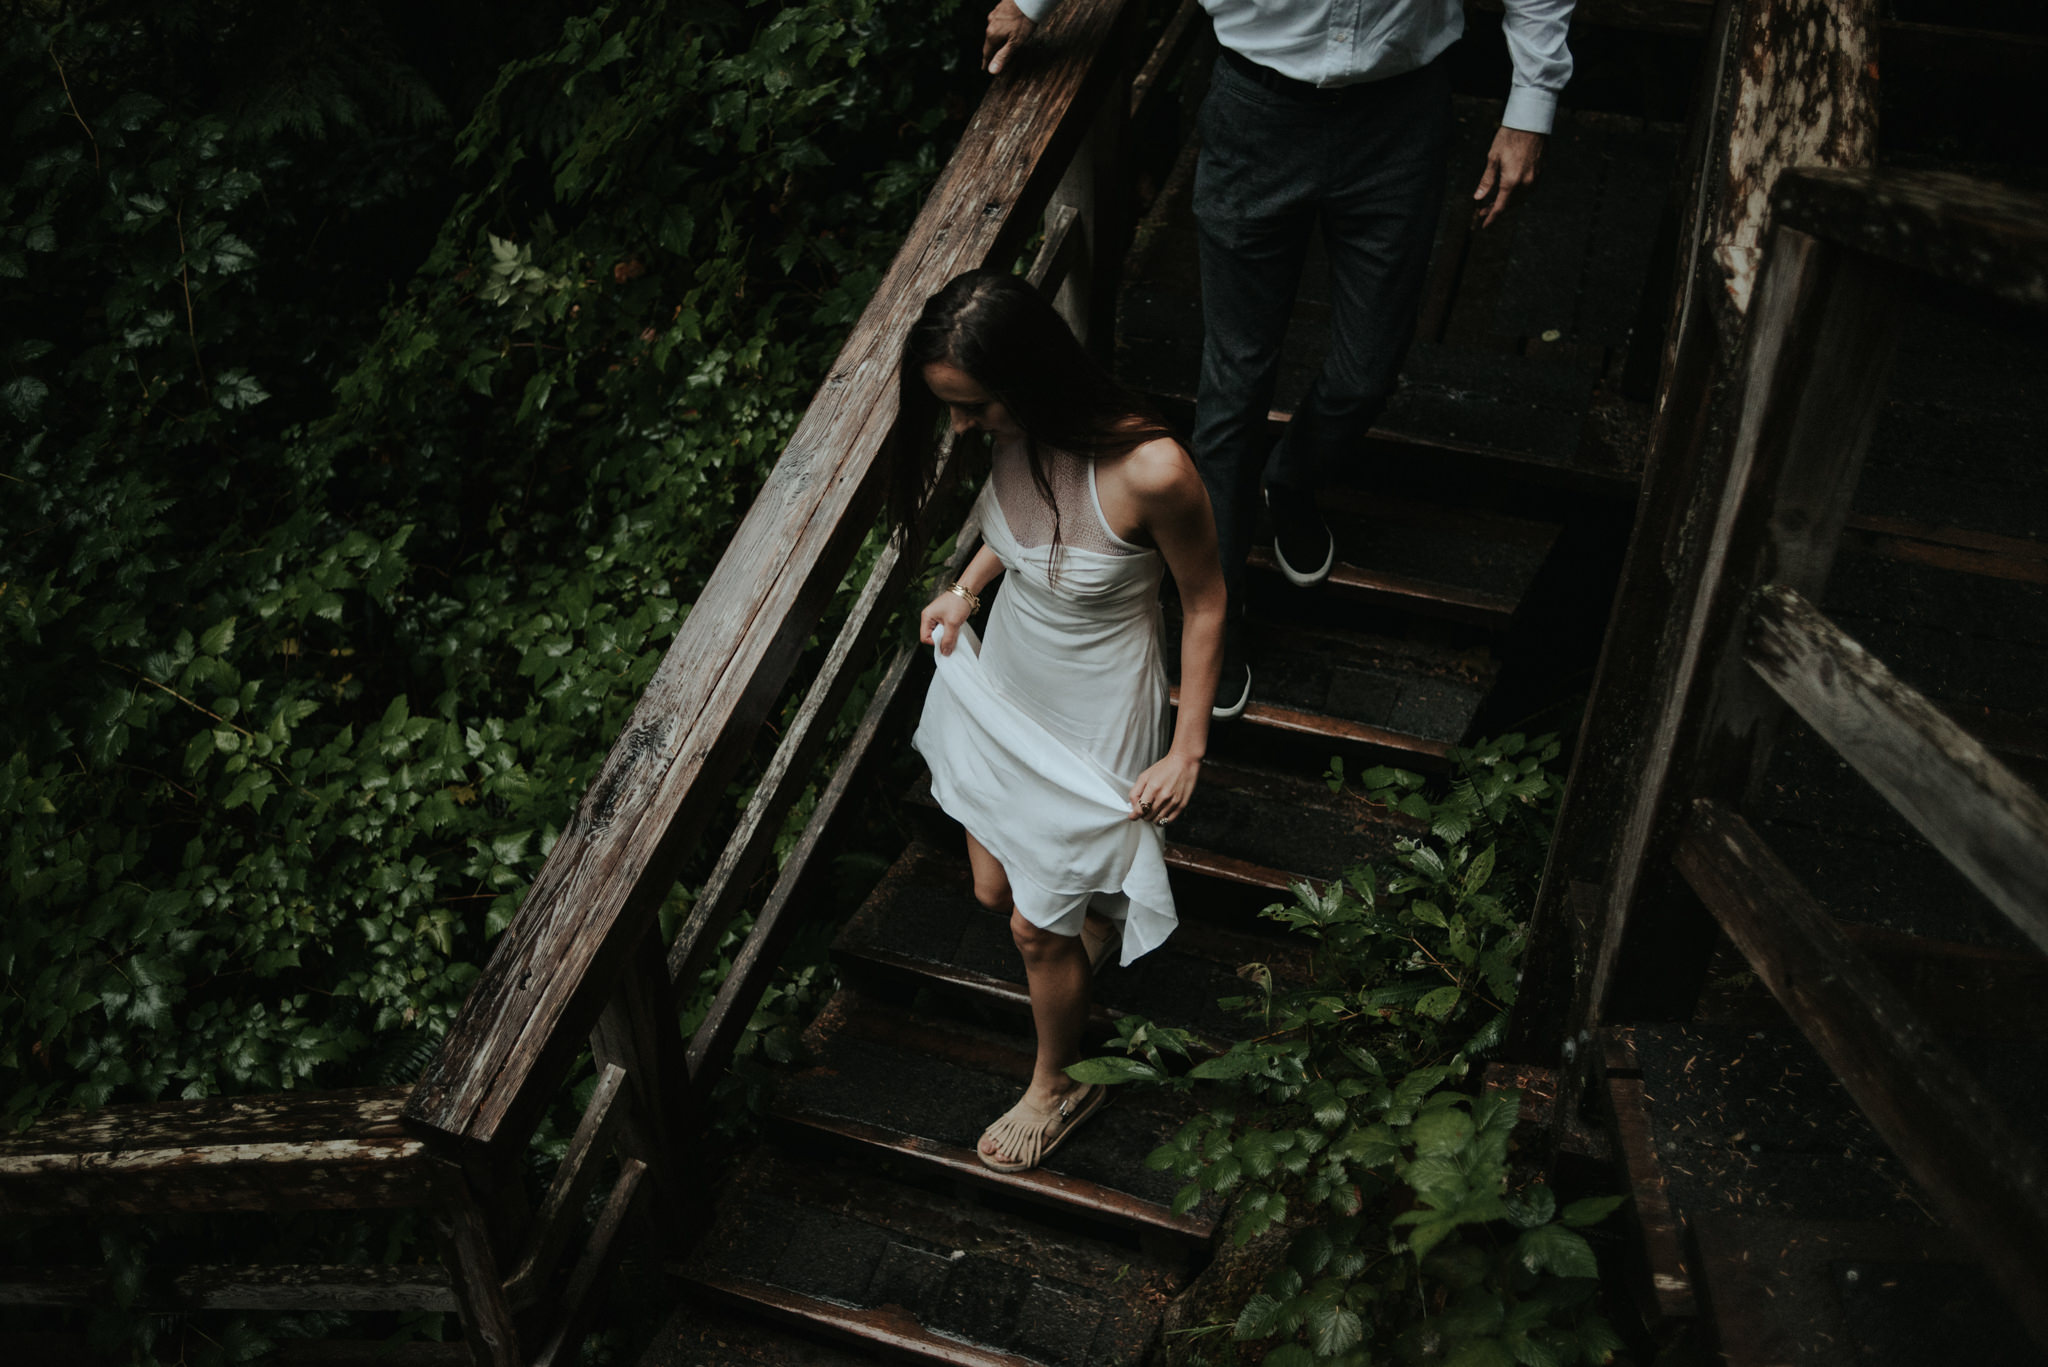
(1030, 1135)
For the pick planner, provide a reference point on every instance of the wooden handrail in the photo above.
(1982, 817)
(1969, 232)
(555, 966)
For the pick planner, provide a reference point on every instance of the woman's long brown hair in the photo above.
(998, 329)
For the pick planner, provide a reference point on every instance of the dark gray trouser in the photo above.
(1368, 162)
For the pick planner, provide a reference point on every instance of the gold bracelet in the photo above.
(973, 598)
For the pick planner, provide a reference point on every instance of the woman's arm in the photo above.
(1174, 509)
(949, 609)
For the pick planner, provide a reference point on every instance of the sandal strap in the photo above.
(1021, 1135)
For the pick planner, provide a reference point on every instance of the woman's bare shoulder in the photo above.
(1160, 470)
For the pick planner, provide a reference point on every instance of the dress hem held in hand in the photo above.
(1058, 822)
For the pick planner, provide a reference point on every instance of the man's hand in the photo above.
(1511, 166)
(1007, 30)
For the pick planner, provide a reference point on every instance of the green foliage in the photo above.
(320, 599)
(1341, 1118)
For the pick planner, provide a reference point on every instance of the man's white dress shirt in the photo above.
(1341, 42)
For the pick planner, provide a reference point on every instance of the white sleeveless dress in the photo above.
(1036, 734)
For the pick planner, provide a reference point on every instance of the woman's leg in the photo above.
(1056, 971)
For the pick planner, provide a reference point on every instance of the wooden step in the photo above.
(288, 1151)
(1323, 692)
(921, 928)
(922, 1088)
(698, 1334)
(1813, 1293)
(1459, 565)
(834, 1249)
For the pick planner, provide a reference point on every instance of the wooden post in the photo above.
(1096, 189)
(474, 1276)
(1823, 327)
(1786, 82)
(640, 1033)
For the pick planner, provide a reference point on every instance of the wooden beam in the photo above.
(588, 1281)
(664, 781)
(561, 1210)
(1987, 822)
(1973, 233)
(1814, 365)
(478, 1286)
(640, 1033)
(802, 745)
(1175, 42)
(726, 1021)
(1057, 254)
(1662, 1284)
(1989, 1181)
(289, 1151)
(271, 1287)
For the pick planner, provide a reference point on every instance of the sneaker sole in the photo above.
(1306, 581)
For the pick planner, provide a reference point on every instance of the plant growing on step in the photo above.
(1340, 1117)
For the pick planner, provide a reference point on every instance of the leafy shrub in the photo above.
(1339, 1116)
(320, 600)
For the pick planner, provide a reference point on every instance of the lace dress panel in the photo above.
(1081, 526)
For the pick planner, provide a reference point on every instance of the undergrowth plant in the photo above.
(1340, 1116)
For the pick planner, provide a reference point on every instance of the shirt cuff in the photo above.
(1036, 10)
(1529, 109)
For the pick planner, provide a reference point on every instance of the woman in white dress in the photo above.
(1049, 740)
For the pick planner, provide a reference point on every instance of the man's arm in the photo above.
(1535, 31)
(1010, 23)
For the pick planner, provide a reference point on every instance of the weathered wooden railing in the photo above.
(582, 960)
(1747, 643)
(1783, 83)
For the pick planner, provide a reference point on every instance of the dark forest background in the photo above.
(378, 383)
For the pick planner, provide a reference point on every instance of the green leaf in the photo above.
(1480, 870)
(1556, 1250)
(1441, 1132)
(1260, 1316)
(233, 389)
(1486, 1352)
(1238, 1062)
(24, 395)
(1531, 1207)
(1332, 1329)
(1598, 1343)
(1439, 1003)
(1591, 1210)
(1113, 1070)
(1290, 1355)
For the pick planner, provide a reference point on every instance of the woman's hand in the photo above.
(1162, 792)
(948, 613)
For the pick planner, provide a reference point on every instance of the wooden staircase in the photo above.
(867, 1220)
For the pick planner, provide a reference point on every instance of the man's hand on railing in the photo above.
(1008, 28)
